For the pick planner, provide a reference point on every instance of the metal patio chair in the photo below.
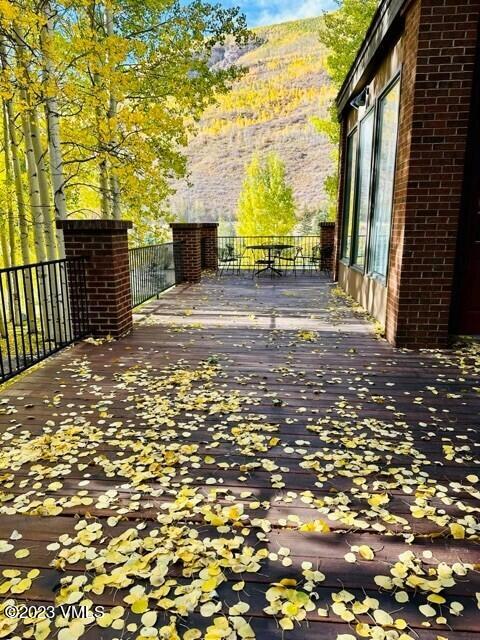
(314, 259)
(229, 259)
(290, 256)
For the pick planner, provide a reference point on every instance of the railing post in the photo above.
(72, 277)
(189, 237)
(327, 245)
(177, 261)
(104, 245)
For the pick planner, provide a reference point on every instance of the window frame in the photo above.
(349, 189)
(396, 78)
(372, 110)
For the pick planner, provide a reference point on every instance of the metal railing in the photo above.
(153, 269)
(298, 254)
(43, 308)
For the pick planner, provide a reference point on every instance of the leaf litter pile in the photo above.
(198, 500)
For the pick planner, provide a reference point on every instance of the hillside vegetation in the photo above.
(269, 109)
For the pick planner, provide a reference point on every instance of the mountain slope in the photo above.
(269, 109)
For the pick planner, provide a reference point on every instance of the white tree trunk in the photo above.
(8, 233)
(17, 173)
(10, 230)
(49, 312)
(34, 191)
(103, 178)
(112, 113)
(15, 285)
(53, 126)
(57, 175)
(105, 202)
(4, 243)
(56, 169)
(43, 186)
(4, 303)
(58, 311)
(17, 170)
(22, 221)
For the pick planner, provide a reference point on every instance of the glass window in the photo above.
(384, 177)
(349, 203)
(363, 189)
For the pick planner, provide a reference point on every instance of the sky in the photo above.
(262, 12)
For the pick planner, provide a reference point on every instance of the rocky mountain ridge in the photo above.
(268, 109)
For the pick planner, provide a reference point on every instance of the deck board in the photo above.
(286, 353)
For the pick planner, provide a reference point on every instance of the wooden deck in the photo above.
(244, 430)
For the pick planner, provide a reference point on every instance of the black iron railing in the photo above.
(298, 254)
(43, 308)
(153, 269)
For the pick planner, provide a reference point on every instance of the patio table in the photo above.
(269, 262)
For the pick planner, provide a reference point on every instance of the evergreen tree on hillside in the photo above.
(342, 33)
(309, 221)
(266, 205)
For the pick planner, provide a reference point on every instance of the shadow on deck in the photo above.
(289, 303)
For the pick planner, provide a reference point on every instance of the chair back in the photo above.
(291, 253)
(226, 252)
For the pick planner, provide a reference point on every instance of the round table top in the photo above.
(270, 246)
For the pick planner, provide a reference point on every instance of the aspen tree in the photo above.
(52, 111)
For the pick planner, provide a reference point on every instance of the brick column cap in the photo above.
(186, 225)
(327, 224)
(92, 226)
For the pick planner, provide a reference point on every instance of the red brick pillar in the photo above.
(440, 45)
(209, 245)
(104, 245)
(327, 245)
(189, 237)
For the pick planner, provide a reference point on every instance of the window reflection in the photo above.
(363, 189)
(384, 179)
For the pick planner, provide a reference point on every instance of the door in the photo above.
(466, 305)
(469, 299)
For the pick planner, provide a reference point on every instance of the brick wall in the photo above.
(189, 235)
(327, 244)
(209, 245)
(410, 42)
(198, 249)
(104, 245)
(437, 76)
